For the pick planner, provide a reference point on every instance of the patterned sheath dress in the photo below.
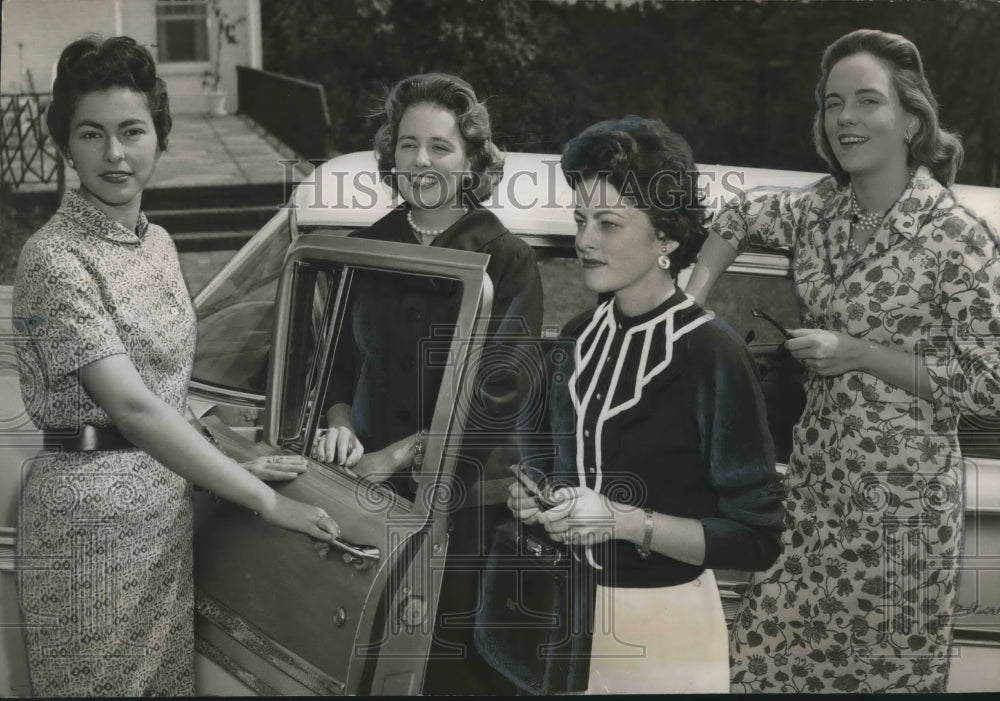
(862, 598)
(105, 536)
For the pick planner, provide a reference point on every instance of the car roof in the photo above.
(533, 199)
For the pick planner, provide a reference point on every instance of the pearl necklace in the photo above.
(429, 233)
(864, 218)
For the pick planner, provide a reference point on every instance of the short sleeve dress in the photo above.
(863, 597)
(105, 536)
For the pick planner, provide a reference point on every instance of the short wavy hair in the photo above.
(454, 94)
(92, 64)
(653, 165)
(941, 151)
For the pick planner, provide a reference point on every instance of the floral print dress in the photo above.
(862, 598)
(105, 536)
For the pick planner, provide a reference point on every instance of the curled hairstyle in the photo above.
(651, 165)
(941, 151)
(453, 94)
(92, 64)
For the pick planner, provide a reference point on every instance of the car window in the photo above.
(236, 314)
(380, 340)
(563, 292)
(313, 295)
(735, 295)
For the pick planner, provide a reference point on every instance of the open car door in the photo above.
(279, 614)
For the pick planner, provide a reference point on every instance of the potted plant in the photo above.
(225, 35)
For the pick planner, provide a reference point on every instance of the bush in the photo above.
(735, 78)
(18, 221)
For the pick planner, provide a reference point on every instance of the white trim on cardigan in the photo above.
(589, 349)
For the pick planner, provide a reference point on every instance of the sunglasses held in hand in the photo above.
(543, 495)
(771, 320)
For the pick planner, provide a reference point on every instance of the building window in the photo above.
(182, 30)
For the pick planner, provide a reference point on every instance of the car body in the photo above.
(276, 617)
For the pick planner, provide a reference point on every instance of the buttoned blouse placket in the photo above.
(615, 344)
(588, 451)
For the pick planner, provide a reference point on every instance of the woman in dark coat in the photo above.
(435, 150)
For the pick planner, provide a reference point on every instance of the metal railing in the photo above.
(27, 152)
(294, 110)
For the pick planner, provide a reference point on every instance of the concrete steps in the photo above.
(212, 208)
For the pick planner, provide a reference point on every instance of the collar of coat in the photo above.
(472, 232)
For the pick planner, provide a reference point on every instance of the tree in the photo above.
(735, 78)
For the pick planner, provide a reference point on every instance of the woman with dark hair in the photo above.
(898, 287)
(107, 342)
(667, 463)
(435, 150)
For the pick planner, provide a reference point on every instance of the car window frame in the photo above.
(447, 424)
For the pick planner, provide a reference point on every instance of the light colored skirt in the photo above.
(662, 640)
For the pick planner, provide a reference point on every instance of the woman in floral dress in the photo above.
(899, 287)
(107, 335)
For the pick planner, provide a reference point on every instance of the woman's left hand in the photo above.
(826, 353)
(276, 468)
(582, 517)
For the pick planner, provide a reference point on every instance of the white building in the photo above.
(181, 35)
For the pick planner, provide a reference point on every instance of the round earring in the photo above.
(663, 261)
(69, 162)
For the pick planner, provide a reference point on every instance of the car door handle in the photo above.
(360, 556)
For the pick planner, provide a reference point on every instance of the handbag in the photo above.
(536, 606)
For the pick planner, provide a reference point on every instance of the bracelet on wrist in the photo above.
(647, 536)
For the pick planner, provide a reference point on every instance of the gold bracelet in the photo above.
(647, 536)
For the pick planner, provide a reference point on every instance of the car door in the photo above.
(281, 615)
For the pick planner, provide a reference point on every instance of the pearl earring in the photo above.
(663, 261)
